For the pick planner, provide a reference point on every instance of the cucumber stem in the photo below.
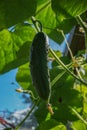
(20, 124)
(67, 44)
(28, 92)
(84, 26)
(70, 51)
(81, 22)
(65, 68)
(34, 22)
(57, 78)
(37, 24)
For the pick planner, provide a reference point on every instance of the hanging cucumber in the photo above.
(39, 65)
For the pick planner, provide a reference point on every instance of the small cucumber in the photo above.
(39, 65)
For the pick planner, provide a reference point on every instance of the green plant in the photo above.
(68, 83)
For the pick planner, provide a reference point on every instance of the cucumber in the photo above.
(39, 65)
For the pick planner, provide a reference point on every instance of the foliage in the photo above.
(68, 83)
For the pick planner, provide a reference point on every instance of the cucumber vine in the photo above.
(38, 26)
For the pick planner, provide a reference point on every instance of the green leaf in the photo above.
(20, 58)
(55, 35)
(6, 48)
(68, 9)
(50, 24)
(42, 113)
(54, 72)
(64, 95)
(23, 77)
(78, 125)
(64, 89)
(14, 11)
(67, 24)
(40, 3)
(44, 15)
(83, 90)
(57, 78)
(48, 20)
(15, 47)
(51, 125)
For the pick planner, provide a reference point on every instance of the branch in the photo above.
(57, 78)
(84, 26)
(71, 54)
(36, 26)
(81, 22)
(65, 68)
(78, 115)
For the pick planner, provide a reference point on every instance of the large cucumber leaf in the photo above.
(15, 11)
(15, 47)
(68, 8)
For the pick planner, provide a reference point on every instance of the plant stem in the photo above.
(71, 54)
(20, 124)
(81, 22)
(34, 22)
(84, 26)
(86, 43)
(57, 78)
(78, 115)
(65, 68)
(70, 51)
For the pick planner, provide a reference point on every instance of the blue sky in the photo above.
(9, 98)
